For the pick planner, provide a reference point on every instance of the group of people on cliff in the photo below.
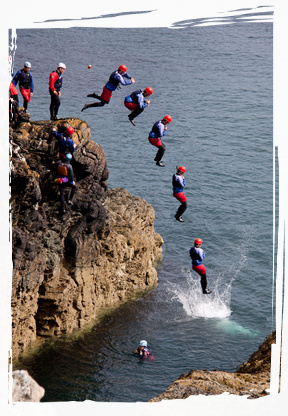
(136, 102)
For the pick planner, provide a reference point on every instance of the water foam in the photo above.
(195, 304)
(214, 305)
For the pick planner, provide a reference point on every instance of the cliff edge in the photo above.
(68, 269)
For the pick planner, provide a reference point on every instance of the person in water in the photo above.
(159, 130)
(197, 255)
(136, 102)
(26, 84)
(142, 350)
(179, 182)
(117, 77)
(55, 85)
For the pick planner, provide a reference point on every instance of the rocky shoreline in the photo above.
(258, 387)
(68, 269)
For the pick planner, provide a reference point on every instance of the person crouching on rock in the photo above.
(142, 350)
(65, 142)
(65, 177)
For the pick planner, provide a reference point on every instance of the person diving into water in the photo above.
(197, 255)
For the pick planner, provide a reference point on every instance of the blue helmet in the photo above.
(68, 157)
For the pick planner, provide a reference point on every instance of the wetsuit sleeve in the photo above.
(70, 145)
(16, 78)
(70, 173)
(57, 135)
(53, 77)
(141, 102)
(181, 181)
(200, 253)
(32, 83)
(121, 79)
(162, 130)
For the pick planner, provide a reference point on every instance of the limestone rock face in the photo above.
(20, 395)
(68, 269)
(257, 388)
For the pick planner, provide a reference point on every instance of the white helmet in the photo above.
(143, 343)
(27, 64)
(61, 65)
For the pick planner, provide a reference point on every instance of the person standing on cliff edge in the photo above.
(55, 85)
(197, 255)
(26, 85)
(117, 77)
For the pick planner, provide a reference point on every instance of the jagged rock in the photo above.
(20, 395)
(67, 269)
(255, 389)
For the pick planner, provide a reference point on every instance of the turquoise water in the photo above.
(216, 83)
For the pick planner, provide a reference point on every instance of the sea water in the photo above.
(216, 83)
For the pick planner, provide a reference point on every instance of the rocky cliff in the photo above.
(257, 387)
(68, 269)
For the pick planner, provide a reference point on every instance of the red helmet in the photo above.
(122, 68)
(149, 90)
(70, 131)
(198, 241)
(181, 169)
(168, 118)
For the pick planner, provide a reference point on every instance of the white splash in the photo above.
(214, 305)
(195, 304)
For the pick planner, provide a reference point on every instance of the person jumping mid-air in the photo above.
(117, 77)
(159, 130)
(136, 102)
(197, 255)
(179, 182)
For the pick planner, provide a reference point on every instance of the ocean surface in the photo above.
(216, 83)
